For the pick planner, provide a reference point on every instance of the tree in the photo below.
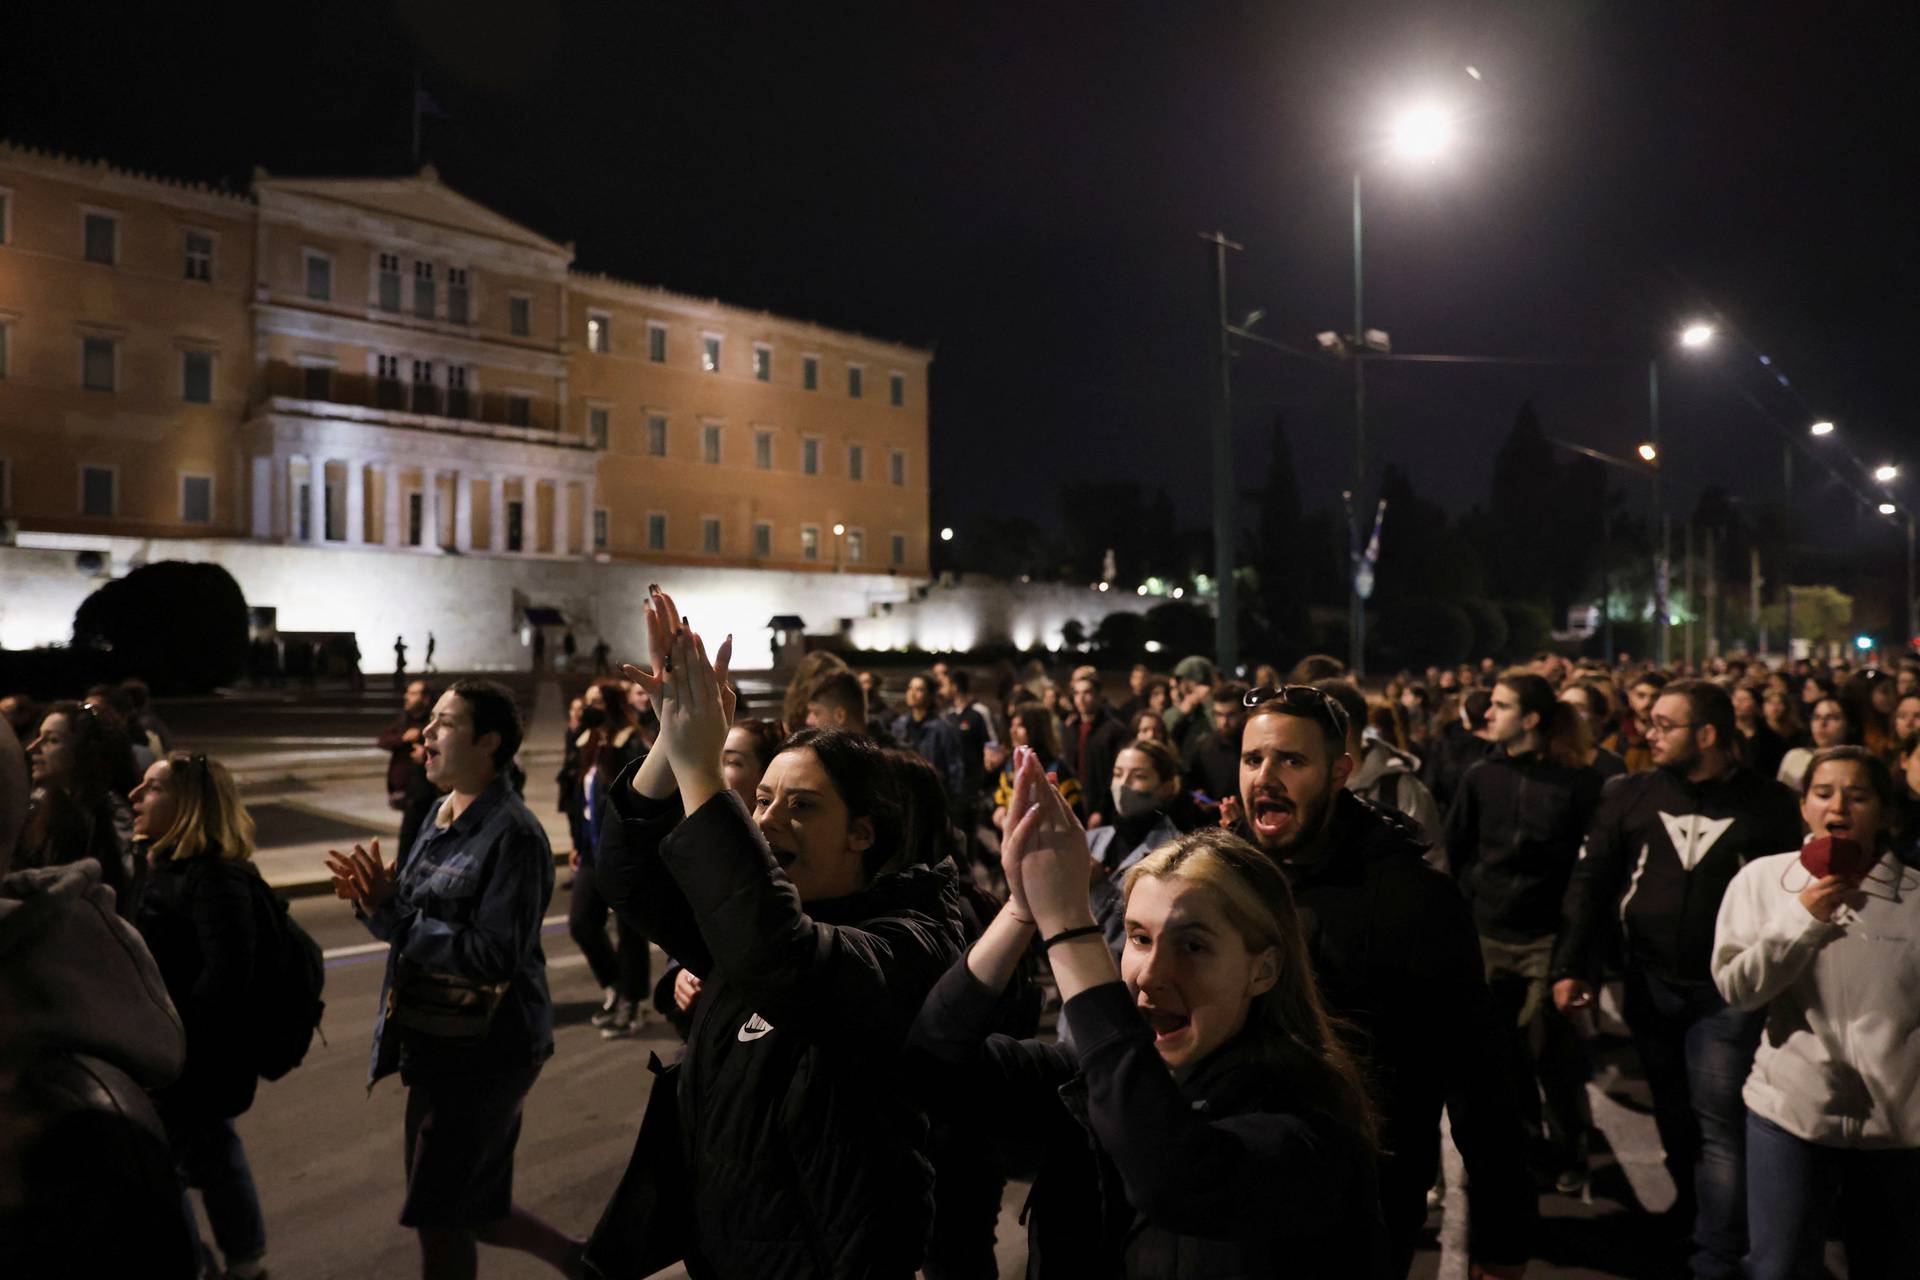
(1123, 634)
(1518, 546)
(1422, 554)
(1418, 631)
(1181, 627)
(1281, 555)
(180, 626)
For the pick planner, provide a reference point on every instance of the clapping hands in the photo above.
(362, 877)
(692, 698)
(1044, 854)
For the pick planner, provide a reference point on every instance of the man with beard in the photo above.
(1396, 956)
(1661, 851)
(407, 787)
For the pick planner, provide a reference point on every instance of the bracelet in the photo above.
(1066, 935)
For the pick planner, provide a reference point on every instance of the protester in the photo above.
(1381, 914)
(1637, 720)
(408, 790)
(975, 727)
(1782, 713)
(812, 668)
(1831, 724)
(923, 730)
(1190, 702)
(464, 1015)
(1090, 738)
(82, 770)
(1458, 745)
(815, 943)
(1589, 698)
(1831, 1105)
(21, 714)
(1149, 727)
(1151, 810)
(1906, 719)
(609, 741)
(837, 702)
(14, 790)
(1870, 694)
(1513, 836)
(111, 702)
(1659, 855)
(1382, 774)
(1761, 749)
(1029, 724)
(202, 915)
(1209, 1122)
(1211, 760)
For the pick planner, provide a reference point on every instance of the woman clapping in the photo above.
(1206, 1121)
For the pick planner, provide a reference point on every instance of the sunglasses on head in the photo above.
(1303, 700)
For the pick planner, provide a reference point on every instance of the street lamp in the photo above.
(1696, 335)
(839, 542)
(1887, 508)
(1820, 429)
(946, 534)
(1422, 132)
(1648, 453)
(1886, 473)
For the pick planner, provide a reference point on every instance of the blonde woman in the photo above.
(201, 912)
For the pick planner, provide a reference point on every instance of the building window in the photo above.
(710, 445)
(389, 282)
(597, 430)
(96, 491)
(897, 390)
(387, 392)
(199, 264)
(196, 377)
(656, 436)
(599, 332)
(319, 382)
(856, 462)
(196, 499)
(657, 343)
(763, 450)
(856, 546)
(97, 360)
(520, 316)
(6, 208)
(103, 238)
(656, 531)
(810, 373)
(810, 457)
(319, 277)
(809, 542)
(519, 411)
(710, 535)
(854, 375)
(4, 502)
(459, 402)
(457, 295)
(426, 396)
(897, 468)
(423, 299)
(762, 540)
(516, 526)
(6, 332)
(898, 550)
(710, 353)
(416, 518)
(599, 528)
(763, 362)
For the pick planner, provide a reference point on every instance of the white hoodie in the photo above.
(1839, 1064)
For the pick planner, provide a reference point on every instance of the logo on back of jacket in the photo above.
(753, 1028)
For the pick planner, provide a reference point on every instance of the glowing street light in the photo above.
(1696, 335)
(1648, 453)
(1422, 132)
(946, 534)
(1821, 429)
(1886, 473)
(1887, 509)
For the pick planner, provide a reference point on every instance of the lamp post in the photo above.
(1886, 474)
(1226, 627)
(1649, 458)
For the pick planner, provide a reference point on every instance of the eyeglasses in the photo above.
(1303, 700)
(1662, 725)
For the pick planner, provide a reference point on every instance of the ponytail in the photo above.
(1563, 734)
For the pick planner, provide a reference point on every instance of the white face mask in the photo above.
(1132, 802)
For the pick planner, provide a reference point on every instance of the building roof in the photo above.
(420, 197)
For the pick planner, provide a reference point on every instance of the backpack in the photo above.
(288, 979)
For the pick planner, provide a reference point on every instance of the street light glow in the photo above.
(946, 534)
(1886, 473)
(1696, 335)
(1887, 508)
(1422, 133)
(1648, 453)
(1821, 428)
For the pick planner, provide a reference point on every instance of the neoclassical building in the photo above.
(383, 364)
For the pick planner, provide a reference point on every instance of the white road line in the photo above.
(368, 948)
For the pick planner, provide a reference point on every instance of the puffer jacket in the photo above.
(1839, 1064)
(800, 1152)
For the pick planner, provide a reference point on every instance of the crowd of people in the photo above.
(1286, 924)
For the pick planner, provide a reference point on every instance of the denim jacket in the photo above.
(469, 901)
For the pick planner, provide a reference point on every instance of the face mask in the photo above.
(592, 717)
(1132, 802)
(1835, 856)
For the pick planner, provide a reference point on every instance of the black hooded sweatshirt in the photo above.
(800, 1149)
(1513, 834)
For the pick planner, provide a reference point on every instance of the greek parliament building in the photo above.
(388, 409)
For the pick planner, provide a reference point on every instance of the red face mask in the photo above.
(1835, 856)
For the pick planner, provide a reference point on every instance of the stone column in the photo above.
(497, 514)
(588, 491)
(260, 498)
(431, 478)
(462, 511)
(559, 515)
(529, 515)
(390, 504)
(316, 499)
(355, 524)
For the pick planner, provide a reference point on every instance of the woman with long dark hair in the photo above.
(1207, 1120)
(1031, 725)
(1831, 724)
(786, 1141)
(81, 767)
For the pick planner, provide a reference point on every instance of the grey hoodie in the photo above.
(1390, 778)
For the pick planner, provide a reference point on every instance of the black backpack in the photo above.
(288, 979)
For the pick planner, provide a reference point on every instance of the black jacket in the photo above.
(801, 1149)
(1659, 857)
(203, 919)
(1513, 835)
(1235, 1172)
(1450, 754)
(1396, 955)
(1106, 738)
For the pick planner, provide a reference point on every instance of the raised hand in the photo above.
(1048, 853)
(693, 717)
(362, 877)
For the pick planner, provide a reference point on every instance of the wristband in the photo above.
(1066, 935)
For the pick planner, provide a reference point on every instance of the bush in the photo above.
(1419, 632)
(1489, 626)
(182, 627)
(1529, 629)
(1123, 635)
(1181, 628)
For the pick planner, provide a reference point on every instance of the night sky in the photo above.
(1021, 186)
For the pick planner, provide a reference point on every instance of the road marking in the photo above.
(547, 925)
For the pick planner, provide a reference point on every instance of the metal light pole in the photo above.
(1786, 547)
(1662, 642)
(1357, 605)
(1226, 637)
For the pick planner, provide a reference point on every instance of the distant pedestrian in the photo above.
(409, 793)
(350, 649)
(539, 648)
(569, 647)
(464, 1016)
(432, 644)
(201, 913)
(399, 663)
(922, 729)
(602, 652)
(609, 741)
